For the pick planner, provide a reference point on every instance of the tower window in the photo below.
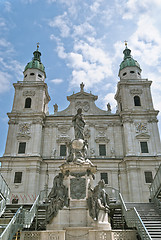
(104, 176)
(18, 177)
(32, 74)
(102, 149)
(124, 73)
(39, 76)
(28, 103)
(144, 147)
(22, 147)
(63, 150)
(137, 101)
(132, 72)
(148, 177)
(138, 73)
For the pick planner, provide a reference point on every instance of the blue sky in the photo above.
(79, 41)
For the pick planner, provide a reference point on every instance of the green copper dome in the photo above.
(36, 62)
(128, 60)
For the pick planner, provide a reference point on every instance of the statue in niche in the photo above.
(79, 124)
(58, 197)
(98, 200)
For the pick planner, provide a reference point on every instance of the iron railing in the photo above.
(156, 184)
(29, 215)
(14, 225)
(133, 220)
(4, 189)
(4, 194)
(113, 194)
(2, 206)
(22, 219)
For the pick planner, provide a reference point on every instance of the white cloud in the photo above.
(146, 41)
(83, 29)
(57, 81)
(95, 6)
(135, 7)
(28, 1)
(2, 23)
(8, 6)
(4, 81)
(4, 43)
(61, 22)
(90, 64)
(51, 1)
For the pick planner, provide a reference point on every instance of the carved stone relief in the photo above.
(136, 91)
(63, 128)
(84, 105)
(87, 133)
(102, 139)
(38, 121)
(24, 131)
(63, 139)
(12, 121)
(78, 188)
(29, 93)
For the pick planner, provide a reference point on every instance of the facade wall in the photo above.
(120, 133)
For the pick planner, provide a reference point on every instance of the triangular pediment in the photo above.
(82, 95)
(85, 101)
(143, 136)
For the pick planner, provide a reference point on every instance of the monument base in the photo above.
(71, 217)
(79, 233)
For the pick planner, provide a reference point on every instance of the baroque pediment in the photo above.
(143, 136)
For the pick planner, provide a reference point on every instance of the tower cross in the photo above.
(38, 44)
(125, 43)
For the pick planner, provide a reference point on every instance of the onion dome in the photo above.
(36, 61)
(128, 60)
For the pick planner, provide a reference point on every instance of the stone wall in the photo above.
(80, 234)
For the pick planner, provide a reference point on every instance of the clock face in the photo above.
(25, 128)
(141, 127)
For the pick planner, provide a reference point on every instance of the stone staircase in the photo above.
(150, 216)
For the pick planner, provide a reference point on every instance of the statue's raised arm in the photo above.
(79, 124)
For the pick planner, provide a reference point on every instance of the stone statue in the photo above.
(79, 124)
(58, 197)
(55, 107)
(98, 200)
(108, 107)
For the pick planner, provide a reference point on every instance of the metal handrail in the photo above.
(29, 215)
(4, 189)
(2, 206)
(14, 225)
(133, 220)
(156, 184)
(113, 193)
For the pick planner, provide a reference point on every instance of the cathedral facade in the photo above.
(124, 146)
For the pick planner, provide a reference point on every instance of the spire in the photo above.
(127, 52)
(128, 59)
(36, 61)
(37, 54)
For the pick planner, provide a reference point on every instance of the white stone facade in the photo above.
(121, 135)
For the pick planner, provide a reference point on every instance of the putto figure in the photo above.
(79, 124)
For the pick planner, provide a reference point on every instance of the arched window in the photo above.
(28, 103)
(137, 101)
